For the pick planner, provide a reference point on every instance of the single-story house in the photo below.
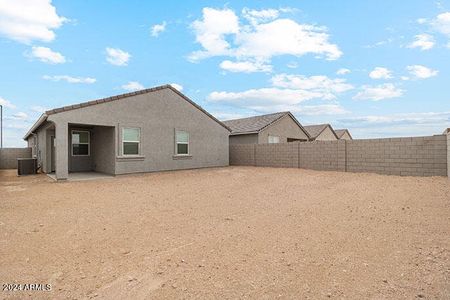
(343, 134)
(281, 127)
(321, 132)
(149, 130)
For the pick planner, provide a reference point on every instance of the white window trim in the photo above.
(88, 143)
(123, 141)
(273, 136)
(183, 143)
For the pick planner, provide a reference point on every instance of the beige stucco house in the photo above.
(281, 127)
(343, 134)
(321, 132)
(150, 130)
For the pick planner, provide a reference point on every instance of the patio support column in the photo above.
(62, 150)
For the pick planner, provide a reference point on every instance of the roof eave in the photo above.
(36, 125)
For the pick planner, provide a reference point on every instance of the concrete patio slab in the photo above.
(81, 176)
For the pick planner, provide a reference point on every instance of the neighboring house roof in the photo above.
(44, 116)
(341, 132)
(315, 130)
(446, 131)
(257, 123)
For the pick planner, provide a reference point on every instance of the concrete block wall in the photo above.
(448, 155)
(9, 156)
(414, 156)
(277, 155)
(242, 155)
(322, 155)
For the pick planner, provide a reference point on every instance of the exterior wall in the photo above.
(417, 156)
(9, 156)
(284, 128)
(346, 136)
(244, 139)
(158, 114)
(326, 135)
(102, 149)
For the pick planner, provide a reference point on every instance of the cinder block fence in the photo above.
(9, 156)
(412, 156)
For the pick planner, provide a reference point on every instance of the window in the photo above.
(131, 138)
(80, 143)
(181, 142)
(274, 139)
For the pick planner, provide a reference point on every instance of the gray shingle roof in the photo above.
(253, 124)
(315, 130)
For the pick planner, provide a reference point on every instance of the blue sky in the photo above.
(379, 68)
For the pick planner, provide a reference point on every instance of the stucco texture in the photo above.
(158, 114)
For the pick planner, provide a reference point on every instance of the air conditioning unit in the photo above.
(26, 166)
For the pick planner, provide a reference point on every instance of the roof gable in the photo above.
(44, 116)
(257, 123)
(315, 130)
(341, 132)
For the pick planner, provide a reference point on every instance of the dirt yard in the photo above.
(227, 233)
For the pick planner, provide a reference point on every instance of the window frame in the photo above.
(183, 143)
(273, 136)
(123, 141)
(88, 143)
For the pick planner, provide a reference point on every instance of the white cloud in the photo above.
(177, 86)
(265, 35)
(442, 23)
(133, 86)
(29, 20)
(245, 66)
(228, 116)
(328, 88)
(19, 116)
(421, 72)
(257, 16)
(423, 41)
(292, 65)
(158, 28)
(379, 92)
(380, 73)
(210, 32)
(6, 103)
(343, 71)
(117, 56)
(421, 20)
(288, 92)
(70, 79)
(402, 124)
(47, 55)
(39, 109)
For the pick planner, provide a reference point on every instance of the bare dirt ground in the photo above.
(227, 233)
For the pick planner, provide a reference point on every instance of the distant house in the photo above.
(321, 132)
(343, 134)
(446, 131)
(150, 130)
(279, 127)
